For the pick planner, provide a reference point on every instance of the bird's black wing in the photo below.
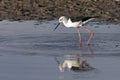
(86, 18)
(81, 18)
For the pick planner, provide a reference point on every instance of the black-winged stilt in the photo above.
(81, 21)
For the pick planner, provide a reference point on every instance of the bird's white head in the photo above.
(62, 18)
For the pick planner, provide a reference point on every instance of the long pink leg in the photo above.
(90, 50)
(91, 35)
(80, 38)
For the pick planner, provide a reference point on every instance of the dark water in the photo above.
(28, 49)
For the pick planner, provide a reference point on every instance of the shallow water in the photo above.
(28, 50)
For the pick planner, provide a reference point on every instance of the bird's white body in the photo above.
(68, 23)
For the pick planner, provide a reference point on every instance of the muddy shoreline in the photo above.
(107, 10)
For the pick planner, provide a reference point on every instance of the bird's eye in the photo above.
(61, 19)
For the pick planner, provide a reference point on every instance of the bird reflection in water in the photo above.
(75, 63)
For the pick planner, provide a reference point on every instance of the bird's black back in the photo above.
(81, 18)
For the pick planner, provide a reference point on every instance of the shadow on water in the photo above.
(75, 62)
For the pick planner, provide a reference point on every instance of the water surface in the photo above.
(28, 50)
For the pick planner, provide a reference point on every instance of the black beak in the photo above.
(57, 26)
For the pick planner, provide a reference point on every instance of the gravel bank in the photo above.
(107, 10)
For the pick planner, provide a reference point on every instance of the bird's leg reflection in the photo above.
(90, 52)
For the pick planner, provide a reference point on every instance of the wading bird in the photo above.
(79, 24)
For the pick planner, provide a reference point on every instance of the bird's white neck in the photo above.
(67, 22)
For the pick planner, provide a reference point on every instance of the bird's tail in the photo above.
(90, 19)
